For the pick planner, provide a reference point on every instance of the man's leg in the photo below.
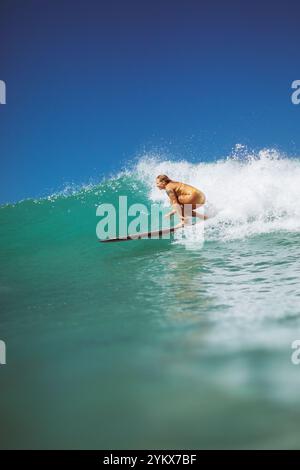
(199, 216)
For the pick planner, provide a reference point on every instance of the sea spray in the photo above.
(251, 193)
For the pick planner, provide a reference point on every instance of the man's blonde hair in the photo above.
(163, 178)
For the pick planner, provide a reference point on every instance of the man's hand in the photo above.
(184, 220)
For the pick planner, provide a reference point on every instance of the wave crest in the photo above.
(252, 192)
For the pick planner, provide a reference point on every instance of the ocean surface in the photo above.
(155, 343)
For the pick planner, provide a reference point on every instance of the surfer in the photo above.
(185, 199)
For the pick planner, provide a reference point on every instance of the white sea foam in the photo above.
(250, 193)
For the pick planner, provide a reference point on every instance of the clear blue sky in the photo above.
(91, 83)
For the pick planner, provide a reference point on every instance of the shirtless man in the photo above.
(181, 194)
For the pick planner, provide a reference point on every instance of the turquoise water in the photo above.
(154, 343)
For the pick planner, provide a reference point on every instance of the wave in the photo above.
(248, 193)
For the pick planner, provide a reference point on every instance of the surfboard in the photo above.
(137, 236)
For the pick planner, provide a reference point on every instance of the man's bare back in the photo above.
(185, 193)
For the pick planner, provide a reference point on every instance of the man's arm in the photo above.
(174, 202)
